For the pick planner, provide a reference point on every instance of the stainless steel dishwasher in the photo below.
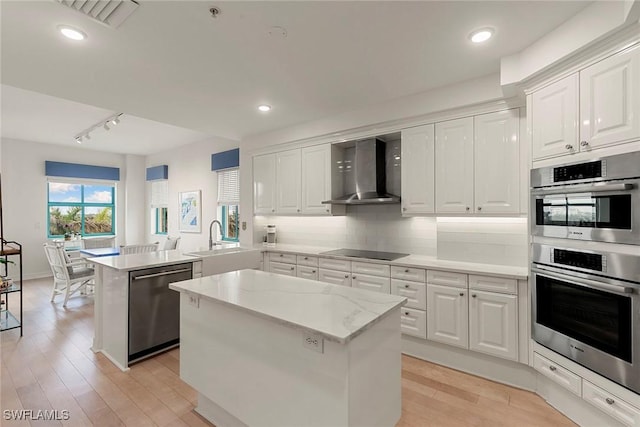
(154, 309)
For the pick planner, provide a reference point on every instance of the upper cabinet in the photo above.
(597, 107)
(264, 184)
(316, 178)
(417, 174)
(288, 172)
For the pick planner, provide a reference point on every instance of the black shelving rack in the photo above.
(8, 319)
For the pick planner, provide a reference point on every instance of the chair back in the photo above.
(99, 242)
(57, 260)
(138, 249)
(171, 244)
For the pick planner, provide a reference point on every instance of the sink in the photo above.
(217, 251)
(229, 257)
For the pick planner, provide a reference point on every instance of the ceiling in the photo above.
(171, 62)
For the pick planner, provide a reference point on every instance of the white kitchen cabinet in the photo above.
(372, 283)
(413, 322)
(612, 405)
(316, 179)
(370, 268)
(448, 315)
(497, 162)
(282, 268)
(417, 174)
(493, 324)
(310, 261)
(454, 166)
(264, 184)
(555, 119)
(305, 272)
(288, 176)
(416, 293)
(610, 100)
(335, 264)
(335, 277)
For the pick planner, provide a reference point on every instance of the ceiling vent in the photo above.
(109, 12)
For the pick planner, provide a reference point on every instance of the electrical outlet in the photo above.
(194, 300)
(313, 342)
(244, 225)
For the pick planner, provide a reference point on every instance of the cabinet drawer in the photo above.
(278, 257)
(493, 284)
(335, 277)
(335, 264)
(557, 373)
(372, 283)
(413, 322)
(370, 269)
(610, 404)
(311, 261)
(282, 268)
(307, 272)
(416, 293)
(408, 273)
(446, 278)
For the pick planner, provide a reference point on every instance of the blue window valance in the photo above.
(158, 172)
(75, 170)
(225, 160)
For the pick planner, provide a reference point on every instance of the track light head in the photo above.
(87, 137)
(79, 140)
(106, 126)
(115, 120)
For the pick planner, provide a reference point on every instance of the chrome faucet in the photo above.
(215, 221)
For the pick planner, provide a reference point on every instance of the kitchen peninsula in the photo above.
(263, 349)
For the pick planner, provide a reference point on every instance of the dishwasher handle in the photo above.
(163, 273)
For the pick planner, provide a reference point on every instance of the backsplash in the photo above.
(485, 240)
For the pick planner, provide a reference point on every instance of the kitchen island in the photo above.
(263, 349)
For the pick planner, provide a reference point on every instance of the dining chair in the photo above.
(138, 249)
(99, 242)
(69, 276)
(170, 243)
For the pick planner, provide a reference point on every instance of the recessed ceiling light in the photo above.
(482, 35)
(72, 33)
(264, 108)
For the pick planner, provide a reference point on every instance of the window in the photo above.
(228, 199)
(159, 207)
(85, 209)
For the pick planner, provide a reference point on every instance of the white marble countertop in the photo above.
(145, 260)
(337, 313)
(415, 261)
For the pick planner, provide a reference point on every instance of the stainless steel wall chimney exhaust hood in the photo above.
(369, 170)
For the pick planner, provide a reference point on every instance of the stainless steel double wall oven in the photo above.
(586, 297)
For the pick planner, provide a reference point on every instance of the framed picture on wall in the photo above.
(190, 212)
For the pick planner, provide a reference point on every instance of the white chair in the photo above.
(69, 276)
(171, 244)
(138, 249)
(99, 242)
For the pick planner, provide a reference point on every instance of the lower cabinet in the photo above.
(334, 277)
(413, 322)
(372, 283)
(493, 324)
(306, 272)
(448, 315)
(282, 268)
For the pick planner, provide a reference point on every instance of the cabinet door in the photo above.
(282, 268)
(417, 174)
(264, 184)
(610, 100)
(413, 322)
(454, 166)
(307, 272)
(335, 277)
(316, 179)
(497, 162)
(447, 315)
(554, 118)
(288, 182)
(372, 283)
(493, 324)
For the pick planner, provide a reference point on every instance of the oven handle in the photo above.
(587, 283)
(582, 188)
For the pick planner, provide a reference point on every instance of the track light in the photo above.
(106, 124)
(79, 140)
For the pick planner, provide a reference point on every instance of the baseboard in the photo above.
(41, 275)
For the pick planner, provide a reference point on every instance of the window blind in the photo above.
(160, 194)
(228, 187)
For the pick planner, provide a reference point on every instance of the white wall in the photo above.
(190, 169)
(24, 194)
(135, 202)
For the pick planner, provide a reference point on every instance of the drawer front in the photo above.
(308, 272)
(493, 284)
(370, 269)
(278, 257)
(612, 405)
(408, 273)
(416, 293)
(446, 278)
(372, 283)
(413, 322)
(335, 277)
(558, 374)
(335, 264)
(282, 268)
(311, 261)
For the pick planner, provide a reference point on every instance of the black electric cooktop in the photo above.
(357, 253)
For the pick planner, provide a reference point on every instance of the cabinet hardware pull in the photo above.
(404, 209)
(406, 286)
(306, 258)
(473, 295)
(407, 270)
(298, 210)
(353, 277)
(406, 313)
(569, 147)
(281, 255)
(291, 268)
(479, 208)
(273, 210)
(327, 210)
(610, 401)
(584, 143)
(461, 294)
(467, 208)
(552, 368)
(346, 276)
(313, 271)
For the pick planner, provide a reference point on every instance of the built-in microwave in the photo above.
(598, 200)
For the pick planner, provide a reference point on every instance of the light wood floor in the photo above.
(52, 367)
